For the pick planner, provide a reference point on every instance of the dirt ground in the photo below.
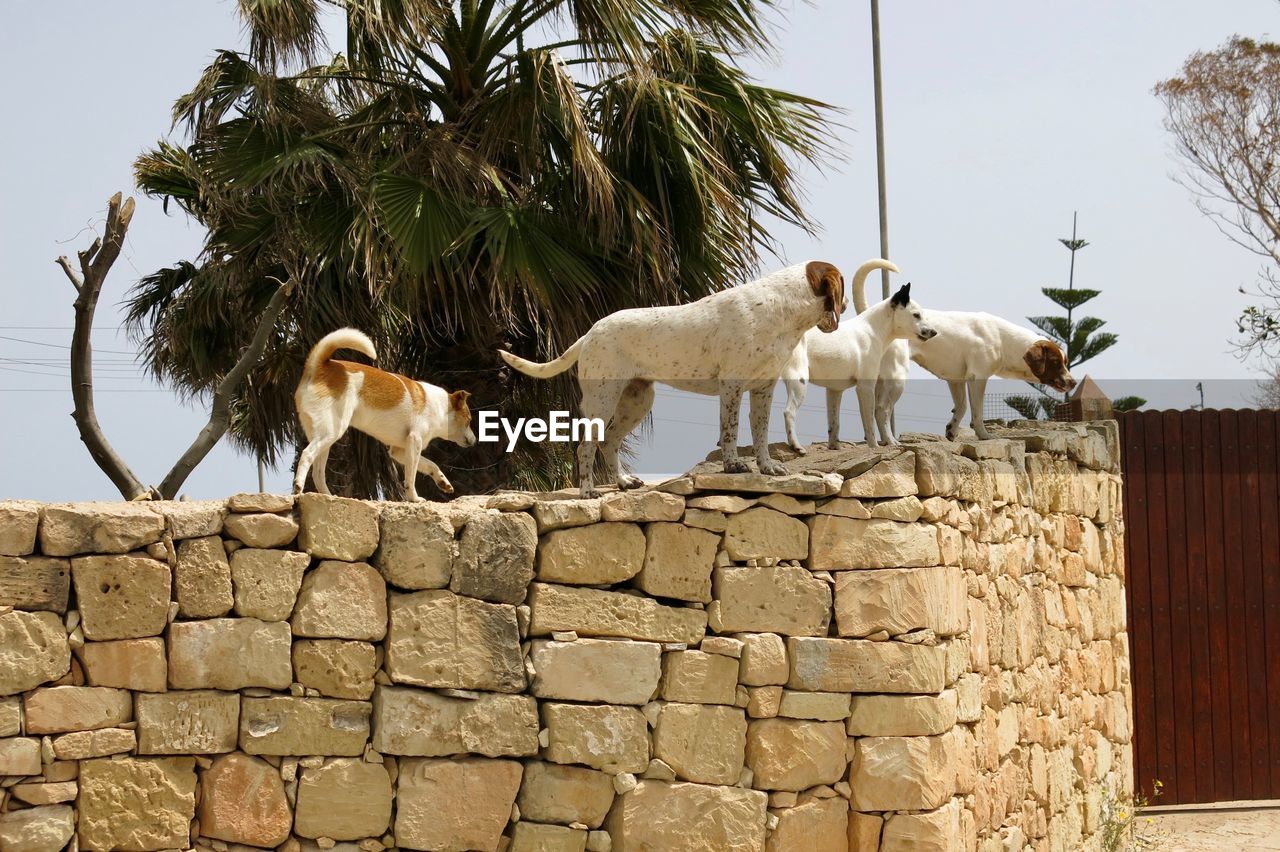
(1256, 830)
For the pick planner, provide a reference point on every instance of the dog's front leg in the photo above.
(833, 418)
(957, 408)
(761, 402)
(412, 456)
(978, 389)
(730, 402)
(866, 390)
(433, 470)
(795, 399)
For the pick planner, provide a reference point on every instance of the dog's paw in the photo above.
(626, 482)
(588, 493)
(950, 432)
(833, 445)
(445, 487)
(772, 468)
(736, 466)
(801, 449)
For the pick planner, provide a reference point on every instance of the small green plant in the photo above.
(1124, 828)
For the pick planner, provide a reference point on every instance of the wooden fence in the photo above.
(1202, 548)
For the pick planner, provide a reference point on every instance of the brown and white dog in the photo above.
(402, 413)
(969, 350)
(730, 342)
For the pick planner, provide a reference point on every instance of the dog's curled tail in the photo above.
(544, 371)
(860, 280)
(343, 338)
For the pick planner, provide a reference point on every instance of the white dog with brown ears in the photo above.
(851, 357)
(725, 344)
(402, 413)
(972, 348)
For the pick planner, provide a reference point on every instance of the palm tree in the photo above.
(450, 186)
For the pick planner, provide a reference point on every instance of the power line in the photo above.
(60, 346)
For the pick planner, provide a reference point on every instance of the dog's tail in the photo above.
(343, 338)
(551, 368)
(860, 281)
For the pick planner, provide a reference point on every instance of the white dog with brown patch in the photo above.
(725, 344)
(402, 413)
(971, 348)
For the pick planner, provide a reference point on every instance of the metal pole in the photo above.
(262, 476)
(884, 208)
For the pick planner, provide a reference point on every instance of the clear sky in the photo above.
(1002, 118)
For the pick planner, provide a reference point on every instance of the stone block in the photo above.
(230, 654)
(417, 547)
(336, 668)
(202, 578)
(341, 600)
(34, 583)
(820, 706)
(763, 661)
(598, 554)
(564, 794)
(892, 477)
(82, 745)
(260, 502)
(337, 527)
(242, 800)
(69, 529)
(902, 715)
(702, 743)
(136, 803)
(10, 716)
(344, 799)
(777, 599)
(121, 597)
(419, 723)
(558, 514)
(495, 557)
(536, 837)
(136, 664)
(19, 520)
(591, 612)
(795, 754)
(43, 829)
(19, 756)
(681, 817)
(261, 530)
(696, 677)
(454, 804)
(33, 650)
(902, 773)
(641, 506)
(440, 639)
(266, 582)
(188, 722)
(285, 725)
(930, 831)
(899, 600)
(763, 533)
(853, 665)
(616, 671)
(839, 543)
(602, 736)
(58, 709)
(818, 825)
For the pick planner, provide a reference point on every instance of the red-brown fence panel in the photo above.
(1202, 555)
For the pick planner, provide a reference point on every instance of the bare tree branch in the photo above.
(95, 263)
(220, 415)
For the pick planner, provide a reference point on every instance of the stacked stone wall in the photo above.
(920, 648)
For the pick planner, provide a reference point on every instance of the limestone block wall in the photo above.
(916, 649)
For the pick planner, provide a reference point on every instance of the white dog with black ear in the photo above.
(969, 350)
(851, 357)
(725, 344)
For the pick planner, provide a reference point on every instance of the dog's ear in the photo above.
(903, 297)
(1039, 356)
(821, 275)
(458, 400)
